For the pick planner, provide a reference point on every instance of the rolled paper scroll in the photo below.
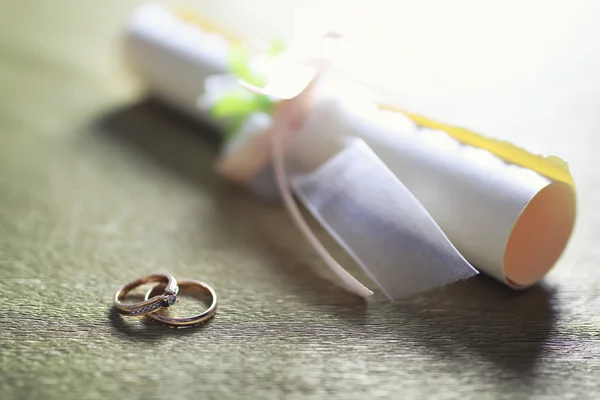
(173, 57)
(414, 206)
(507, 221)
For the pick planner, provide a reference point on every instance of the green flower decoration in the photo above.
(236, 105)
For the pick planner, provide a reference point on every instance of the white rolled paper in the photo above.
(173, 57)
(505, 220)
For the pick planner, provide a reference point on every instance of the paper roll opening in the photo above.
(540, 235)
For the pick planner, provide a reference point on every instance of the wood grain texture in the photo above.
(98, 187)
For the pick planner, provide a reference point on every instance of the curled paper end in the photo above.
(540, 235)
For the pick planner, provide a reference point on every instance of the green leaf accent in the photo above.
(235, 106)
(234, 103)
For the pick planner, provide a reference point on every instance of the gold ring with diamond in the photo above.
(186, 286)
(166, 298)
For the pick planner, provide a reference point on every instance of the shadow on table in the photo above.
(480, 321)
(177, 144)
(146, 330)
(475, 321)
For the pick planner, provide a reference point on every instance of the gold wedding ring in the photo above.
(165, 299)
(186, 286)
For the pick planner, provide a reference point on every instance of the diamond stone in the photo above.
(171, 299)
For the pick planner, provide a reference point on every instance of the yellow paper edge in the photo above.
(552, 167)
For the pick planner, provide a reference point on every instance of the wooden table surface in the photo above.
(98, 187)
